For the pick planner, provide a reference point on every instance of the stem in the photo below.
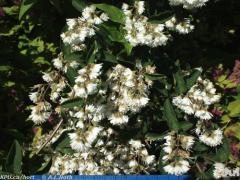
(51, 136)
(198, 167)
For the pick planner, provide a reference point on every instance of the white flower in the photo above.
(167, 149)
(203, 114)
(184, 27)
(80, 91)
(104, 17)
(213, 138)
(140, 6)
(73, 64)
(54, 96)
(41, 112)
(47, 77)
(149, 159)
(117, 119)
(34, 96)
(81, 28)
(92, 134)
(187, 141)
(135, 144)
(80, 125)
(57, 62)
(177, 168)
(109, 157)
(170, 24)
(91, 88)
(188, 4)
(76, 142)
(219, 170)
(132, 163)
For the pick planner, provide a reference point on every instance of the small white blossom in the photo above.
(177, 168)
(213, 138)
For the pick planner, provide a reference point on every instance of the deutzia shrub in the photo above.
(115, 108)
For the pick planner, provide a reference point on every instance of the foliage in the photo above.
(30, 38)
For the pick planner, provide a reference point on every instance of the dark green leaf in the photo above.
(193, 78)
(79, 4)
(71, 75)
(223, 152)
(200, 147)
(128, 48)
(26, 5)
(181, 85)
(185, 126)
(171, 116)
(155, 77)
(109, 57)
(154, 136)
(56, 4)
(72, 103)
(114, 13)
(14, 159)
(63, 144)
(92, 53)
(112, 32)
(162, 17)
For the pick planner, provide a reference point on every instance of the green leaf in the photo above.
(56, 4)
(161, 17)
(223, 152)
(79, 4)
(109, 57)
(180, 82)
(92, 53)
(185, 126)
(234, 108)
(154, 136)
(71, 75)
(63, 144)
(193, 78)
(10, 10)
(171, 116)
(4, 68)
(45, 166)
(112, 32)
(72, 103)
(233, 130)
(114, 13)
(155, 77)
(26, 5)
(128, 47)
(200, 147)
(13, 162)
(115, 34)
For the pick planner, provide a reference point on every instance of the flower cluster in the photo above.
(86, 82)
(222, 171)
(97, 149)
(78, 29)
(177, 149)
(139, 30)
(129, 92)
(207, 135)
(188, 4)
(62, 64)
(196, 102)
(182, 27)
(41, 111)
(198, 99)
(106, 157)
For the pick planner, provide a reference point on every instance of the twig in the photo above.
(48, 140)
(198, 167)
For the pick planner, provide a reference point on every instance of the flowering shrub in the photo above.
(118, 101)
